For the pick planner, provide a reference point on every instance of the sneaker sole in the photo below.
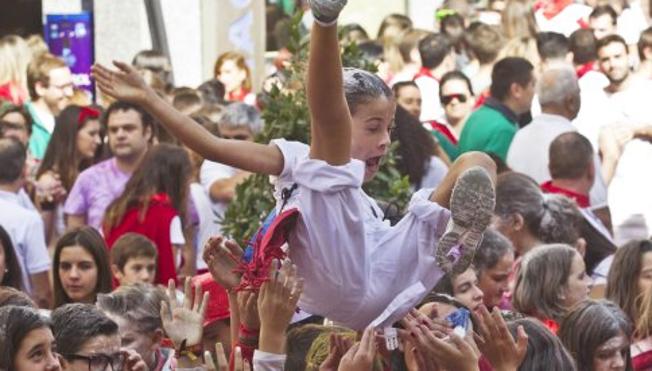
(472, 204)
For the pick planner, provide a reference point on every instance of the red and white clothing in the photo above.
(562, 16)
(358, 270)
(428, 84)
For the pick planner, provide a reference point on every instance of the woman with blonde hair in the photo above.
(15, 56)
(231, 70)
(390, 33)
(520, 28)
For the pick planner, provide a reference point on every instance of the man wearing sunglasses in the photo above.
(89, 341)
(491, 127)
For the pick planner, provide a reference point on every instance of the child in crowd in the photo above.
(133, 259)
(357, 268)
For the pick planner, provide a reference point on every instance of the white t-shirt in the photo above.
(209, 173)
(435, 173)
(358, 270)
(629, 192)
(27, 233)
(431, 108)
(566, 22)
(631, 22)
(207, 220)
(529, 153)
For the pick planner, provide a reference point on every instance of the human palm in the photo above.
(184, 321)
(124, 84)
(222, 258)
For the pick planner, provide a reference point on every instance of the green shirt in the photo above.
(487, 130)
(38, 141)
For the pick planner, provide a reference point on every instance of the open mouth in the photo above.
(374, 162)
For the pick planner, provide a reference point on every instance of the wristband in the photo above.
(193, 352)
(248, 332)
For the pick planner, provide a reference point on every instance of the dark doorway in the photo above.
(21, 17)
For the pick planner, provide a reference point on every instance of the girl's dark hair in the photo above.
(13, 277)
(589, 325)
(165, 169)
(492, 248)
(415, 146)
(61, 155)
(545, 352)
(15, 324)
(622, 281)
(91, 241)
(362, 86)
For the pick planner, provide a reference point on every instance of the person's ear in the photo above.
(40, 88)
(580, 246)
(518, 222)
(515, 90)
(590, 173)
(149, 134)
(647, 53)
(117, 274)
(157, 337)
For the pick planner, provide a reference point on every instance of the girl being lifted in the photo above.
(358, 270)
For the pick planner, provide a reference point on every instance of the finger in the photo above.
(187, 291)
(124, 67)
(172, 296)
(165, 311)
(367, 343)
(247, 366)
(501, 328)
(234, 248)
(196, 306)
(204, 304)
(209, 362)
(482, 319)
(238, 359)
(521, 340)
(296, 292)
(220, 357)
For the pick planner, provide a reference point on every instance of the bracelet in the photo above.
(193, 352)
(248, 332)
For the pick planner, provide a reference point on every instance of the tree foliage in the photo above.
(286, 116)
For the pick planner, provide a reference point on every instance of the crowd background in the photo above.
(104, 213)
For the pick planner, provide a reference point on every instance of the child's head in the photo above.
(133, 259)
(372, 107)
(136, 309)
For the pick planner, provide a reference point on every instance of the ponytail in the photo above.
(560, 221)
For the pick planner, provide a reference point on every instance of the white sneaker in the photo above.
(472, 205)
(326, 11)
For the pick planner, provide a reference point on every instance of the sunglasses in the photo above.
(446, 99)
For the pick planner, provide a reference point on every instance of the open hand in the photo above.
(361, 355)
(222, 257)
(339, 345)
(497, 343)
(184, 321)
(124, 84)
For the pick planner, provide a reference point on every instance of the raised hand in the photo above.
(124, 84)
(222, 364)
(133, 361)
(339, 345)
(326, 11)
(497, 343)
(184, 321)
(361, 355)
(222, 257)
(277, 302)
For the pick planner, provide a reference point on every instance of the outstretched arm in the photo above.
(126, 84)
(329, 114)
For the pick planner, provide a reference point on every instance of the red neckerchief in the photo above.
(424, 72)
(238, 95)
(551, 7)
(583, 69)
(162, 197)
(444, 130)
(551, 324)
(582, 200)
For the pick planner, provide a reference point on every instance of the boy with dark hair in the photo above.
(437, 58)
(492, 127)
(553, 47)
(133, 259)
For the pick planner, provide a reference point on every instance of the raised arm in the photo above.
(329, 114)
(126, 84)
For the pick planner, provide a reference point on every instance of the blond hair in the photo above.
(39, 71)
(239, 61)
(15, 56)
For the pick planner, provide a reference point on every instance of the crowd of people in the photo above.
(521, 126)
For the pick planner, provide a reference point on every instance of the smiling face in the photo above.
(231, 75)
(372, 122)
(78, 273)
(614, 62)
(457, 100)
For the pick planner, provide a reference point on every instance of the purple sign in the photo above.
(70, 37)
